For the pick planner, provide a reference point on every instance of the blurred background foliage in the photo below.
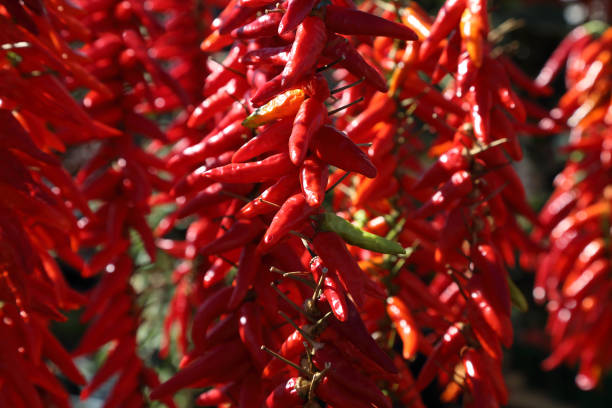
(536, 28)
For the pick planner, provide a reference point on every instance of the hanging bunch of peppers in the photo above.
(343, 192)
(459, 216)
(121, 177)
(264, 239)
(272, 85)
(573, 276)
(40, 202)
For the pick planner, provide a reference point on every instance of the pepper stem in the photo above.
(345, 87)
(286, 361)
(348, 105)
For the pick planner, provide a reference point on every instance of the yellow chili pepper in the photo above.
(282, 106)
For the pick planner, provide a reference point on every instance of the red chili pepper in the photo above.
(451, 161)
(214, 396)
(483, 332)
(347, 21)
(216, 365)
(345, 375)
(221, 74)
(196, 180)
(309, 42)
(447, 19)
(212, 195)
(482, 393)
(222, 99)
(447, 350)
(291, 349)
(251, 329)
(381, 107)
(313, 179)
(253, 172)
(335, 148)
(286, 394)
(338, 48)
(247, 272)
(240, 233)
(264, 56)
(487, 262)
(333, 392)
(272, 138)
(292, 214)
(522, 80)
(233, 16)
(333, 252)
(459, 185)
(405, 326)
(331, 289)
(276, 193)
(212, 307)
(296, 12)
(308, 120)
(263, 26)
(555, 62)
(222, 331)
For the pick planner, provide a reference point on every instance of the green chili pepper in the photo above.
(358, 237)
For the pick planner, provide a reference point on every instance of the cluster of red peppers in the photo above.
(342, 192)
(267, 238)
(573, 276)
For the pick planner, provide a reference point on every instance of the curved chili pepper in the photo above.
(335, 148)
(459, 185)
(252, 172)
(313, 180)
(239, 234)
(335, 393)
(405, 326)
(294, 212)
(487, 262)
(347, 21)
(445, 351)
(207, 312)
(345, 374)
(555, 62)
(307, 47)
(287, 394)
(332, 250)
(213, 366)
(270, 55)
(217, 102)
(296, 12)
(338, 48)
(250, 330)
(263, 26)
(272, 138)
(448, 17)
(277, 193)
(291, 349)
(247, 272)
(311, 115)
(451, 161)
(477, 379)
(331, 289)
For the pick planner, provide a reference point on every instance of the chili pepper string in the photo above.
(466, 189)
(123, 177)
(38, 226)
(572, 277)
(288, 196)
